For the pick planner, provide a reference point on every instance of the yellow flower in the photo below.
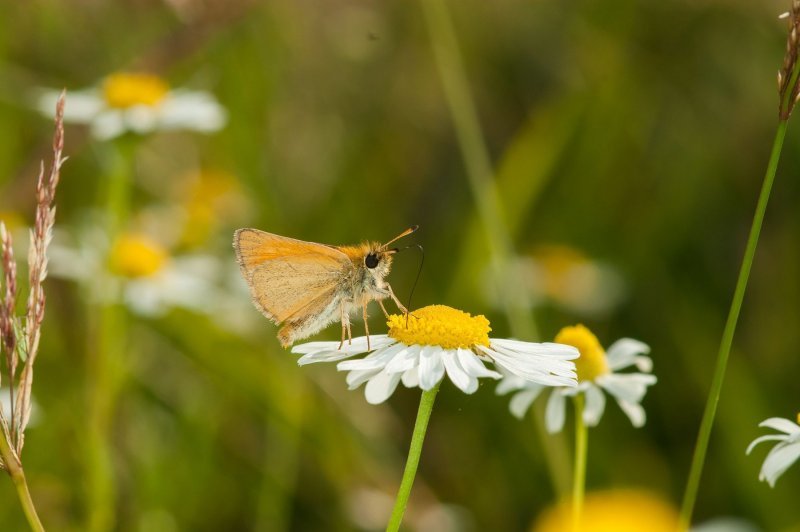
(123, 90)
(592, 363)
(210, 196)
(440, 325)
(136, 255)
(616, 510)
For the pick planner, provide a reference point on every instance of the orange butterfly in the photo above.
(306, 286)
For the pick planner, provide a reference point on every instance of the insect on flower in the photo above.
(306, 286)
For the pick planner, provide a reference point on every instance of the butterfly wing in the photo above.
(289, 278)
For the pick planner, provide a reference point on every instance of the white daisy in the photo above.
(436, 341)
(140, 103)
(597, 371)
(566, 278)
(140, 272)
(785, 453)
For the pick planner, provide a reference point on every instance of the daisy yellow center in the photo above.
(592, 363)
(125, 90)
(798, 418)
(440, 325)
(135, 255)
(617, 510)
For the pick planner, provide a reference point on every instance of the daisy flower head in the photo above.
(140, 103)
(437, 340)
(597, 372)
(784, 454)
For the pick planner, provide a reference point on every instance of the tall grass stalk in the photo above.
(490, 212)
(20, 335)
(788, 90)
(107, 354)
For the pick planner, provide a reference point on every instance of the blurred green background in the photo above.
(629, 138)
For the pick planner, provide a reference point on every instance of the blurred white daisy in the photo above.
(137, 102)
(565, 277)
(140, 272)
(597, 371)
(785, 453)
(436, 341)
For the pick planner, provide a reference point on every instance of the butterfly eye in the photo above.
(371, 260)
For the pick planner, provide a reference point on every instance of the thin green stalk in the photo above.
(17, 474)
(579, 471)
(106, 362)
(698, 460)
(480, 176)
(414, 451)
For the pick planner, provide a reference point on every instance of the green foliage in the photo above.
(633, 132)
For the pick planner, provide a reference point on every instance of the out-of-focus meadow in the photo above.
(628, 142)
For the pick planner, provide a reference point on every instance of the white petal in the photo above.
(545, 370)
(79, 107)
(781, 424)
(473, 365)
(411, 378)
(431, 367)
(555, 412)
(630, 387)
(358, 377)
(634, 411)
(511, 383)
(549, 349)
(624, 351)
(141, 118)
(380, 387)
(328, 351)
(322, 356)
(465, 382)
(595, 405)
(762, 439)
(404, 360)
(778, 460)
(375, 360)
(198, 111)
(522, 401)
(108, 124)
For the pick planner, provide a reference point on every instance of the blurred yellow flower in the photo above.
(210, 196)
(136, 255)
(616, 510)
(592, 363)
(123, 90)
(12, 219)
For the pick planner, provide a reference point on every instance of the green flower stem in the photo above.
(480, 175)
(14, 468)
(106, 358)
(414, 451)
(698, 460)
(579, 471)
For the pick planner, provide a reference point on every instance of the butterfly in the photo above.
(305, 286)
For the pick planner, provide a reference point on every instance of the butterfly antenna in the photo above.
(416, 280)
(401, 235)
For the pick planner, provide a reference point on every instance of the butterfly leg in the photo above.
(366, 325)
(344, 329)
(394, 298)
(383, 309)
